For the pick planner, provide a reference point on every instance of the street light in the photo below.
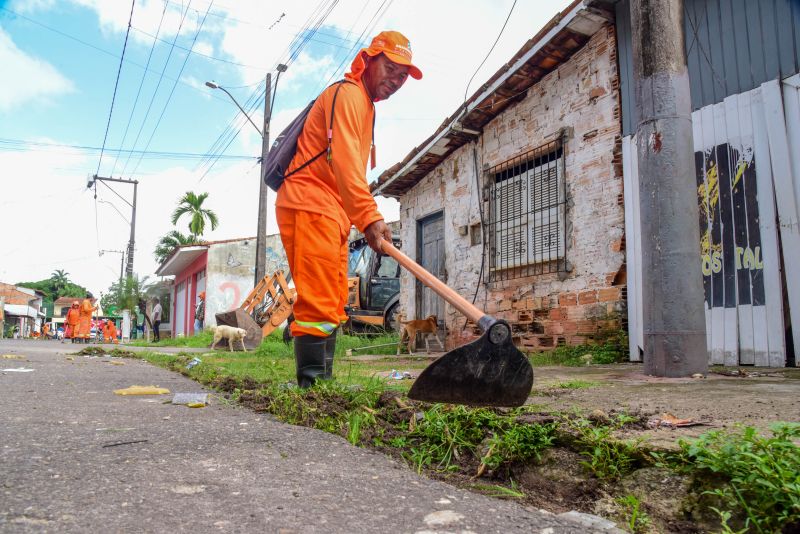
(263, 191)
(213, 85)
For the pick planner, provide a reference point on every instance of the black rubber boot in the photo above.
(309, 356)
(330, 350)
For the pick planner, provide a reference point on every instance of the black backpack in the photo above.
(282, 152)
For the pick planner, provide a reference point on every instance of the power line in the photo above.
(158, 85)
(116, 83)
(139, 91)
(20, 145)
(466, 90)
(169, 98)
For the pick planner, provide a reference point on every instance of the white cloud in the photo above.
(34, 81)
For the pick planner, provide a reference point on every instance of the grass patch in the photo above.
(614, 349)
(576, 384)
(200, 340)
(762, 473)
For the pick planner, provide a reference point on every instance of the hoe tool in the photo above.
(489, 371)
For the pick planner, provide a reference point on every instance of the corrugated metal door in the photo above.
(738, 232)
(431, 257)
(747, 152)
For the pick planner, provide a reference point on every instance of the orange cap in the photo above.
(396, 47)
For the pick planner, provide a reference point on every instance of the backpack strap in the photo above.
(328, 150)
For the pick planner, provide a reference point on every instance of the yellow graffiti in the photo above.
(708, 192)
(746, 258)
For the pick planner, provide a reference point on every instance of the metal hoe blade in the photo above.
(489, 371)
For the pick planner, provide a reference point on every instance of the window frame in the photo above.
(522, 199)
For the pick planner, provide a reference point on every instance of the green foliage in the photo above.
(500, 492)
(445, 434)
(762, 472)
(169, 242)
(58, 285)
(636, 518)
(191, 204)
(608, 458)
(576, 384)
(614, 349)
(126, 295)
(200, 340)
(518, 443)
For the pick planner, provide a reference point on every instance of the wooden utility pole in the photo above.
(263, 190)
(672, 285)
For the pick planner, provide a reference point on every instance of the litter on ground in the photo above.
(194, 362)
(668, 420)
(399, 375)
(192, 400)
(12, 357)
(17, 370)
(142, 390)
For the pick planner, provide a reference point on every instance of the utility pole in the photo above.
(132, 241)
(672, 285)
(121, 261)
(263, 191)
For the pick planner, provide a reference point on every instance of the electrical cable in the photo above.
(116, 84)
(139, 91)
(169, 98)
(158, 85)
(490, 50)
(19, 145)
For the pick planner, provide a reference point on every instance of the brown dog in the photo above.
(409, 329)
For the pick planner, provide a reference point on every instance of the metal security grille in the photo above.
(527, 206)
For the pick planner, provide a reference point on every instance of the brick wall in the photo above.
(570, 307)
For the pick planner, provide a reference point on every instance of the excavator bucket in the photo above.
(238, 318)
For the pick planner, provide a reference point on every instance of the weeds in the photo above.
(608, 458)
(614, 349)
(518, 443)
(575, 384)
(763, 473)
(636, 519)
(500, 492)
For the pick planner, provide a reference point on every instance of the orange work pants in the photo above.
(316, 247)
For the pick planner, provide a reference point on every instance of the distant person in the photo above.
(71, 322)
(85, 319)
(46, 331)
(200, 313)
(109, 332)
(156, 320)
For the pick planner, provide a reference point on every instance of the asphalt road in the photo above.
(75, 457)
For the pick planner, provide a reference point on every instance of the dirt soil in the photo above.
(726, 396)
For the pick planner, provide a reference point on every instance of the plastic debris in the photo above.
(193, 362)
(399, 375)
(12, 357)
(142, 390)
(18, 370)
(115, 362)
(192, 400)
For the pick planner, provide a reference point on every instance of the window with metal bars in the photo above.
(527, 206)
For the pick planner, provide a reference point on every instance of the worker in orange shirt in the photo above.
(71, 321)
(324, 196)
(85, 320)
(110, 332)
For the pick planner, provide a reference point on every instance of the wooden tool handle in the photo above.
(439, 287)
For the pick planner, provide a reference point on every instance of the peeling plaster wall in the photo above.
(231, 269)
(582, 95)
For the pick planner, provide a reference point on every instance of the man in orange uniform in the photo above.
(85, 319)
(71, 321)
(109, 332)
(317, 204)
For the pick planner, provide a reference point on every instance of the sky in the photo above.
(61, 63)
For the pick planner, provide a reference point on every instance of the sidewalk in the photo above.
(76, 457)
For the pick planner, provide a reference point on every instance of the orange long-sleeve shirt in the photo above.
(337, 189)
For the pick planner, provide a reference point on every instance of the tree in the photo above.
(169, 242)
(192, 205)
(59, 279)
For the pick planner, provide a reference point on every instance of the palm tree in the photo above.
(169, 242)
(59, 280)
(192, 205)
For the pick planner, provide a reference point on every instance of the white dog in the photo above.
(231, 333)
